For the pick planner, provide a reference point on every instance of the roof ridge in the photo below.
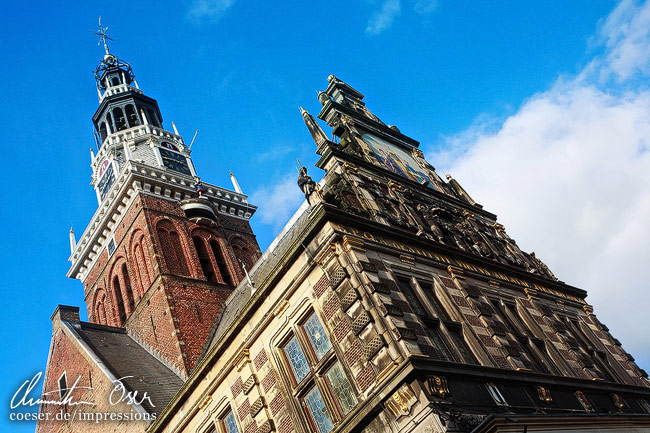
(156, 354)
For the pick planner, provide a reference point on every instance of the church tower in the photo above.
(164, 250)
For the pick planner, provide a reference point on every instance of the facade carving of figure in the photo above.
(511, 246)
(544, 270)
(429, 216)
(306, 184)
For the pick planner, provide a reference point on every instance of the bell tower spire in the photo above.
(163, 250)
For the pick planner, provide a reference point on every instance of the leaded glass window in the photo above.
(320, 380)
(317, 337)
(316, 409)
(296, 359)
(341, 388)
(230, 424)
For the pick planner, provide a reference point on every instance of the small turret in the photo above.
(315, 130)
(235, 184)
(73, 241)
(460, 191)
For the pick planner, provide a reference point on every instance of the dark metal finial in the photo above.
(101, 32)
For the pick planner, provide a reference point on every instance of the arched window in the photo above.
(204, 259)
(221, 263)
(141, 263)
(172, 248)
(127, 287)
(100, 309)
(109, 120)
(102, 132)
(153, 119)
(120, 120)
(118, 297)
(132, 116)
(116, 81)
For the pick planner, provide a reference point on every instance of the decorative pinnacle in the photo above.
(101, 32)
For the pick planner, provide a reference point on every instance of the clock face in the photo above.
(175, 161)
(106, 182)
(169, 146)
(103, 167)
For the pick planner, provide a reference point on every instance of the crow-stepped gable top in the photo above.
(407, 192)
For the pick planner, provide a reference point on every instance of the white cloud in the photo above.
(626, 34)
(278, 201)
(425, 6)
(569, 176)
(382, 19)
(211, 10)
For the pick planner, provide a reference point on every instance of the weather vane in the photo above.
(102, 35)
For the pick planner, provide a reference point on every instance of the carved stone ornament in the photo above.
(400, 403)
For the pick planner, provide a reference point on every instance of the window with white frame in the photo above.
(318, 379)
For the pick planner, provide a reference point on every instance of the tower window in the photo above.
(132, 116)
(221, 263)
(63, 386)
(127, 286)
(120, 301)
(204, 259)
(120, 120)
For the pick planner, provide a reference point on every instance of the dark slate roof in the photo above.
(123, 356)
(276, 252)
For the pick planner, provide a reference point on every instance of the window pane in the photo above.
(230, 424)
(341, 388)
(317, 337)
(296, 359)
(316, 408)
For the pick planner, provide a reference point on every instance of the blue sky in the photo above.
(540, 110)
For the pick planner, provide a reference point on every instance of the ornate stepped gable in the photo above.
(407, 193)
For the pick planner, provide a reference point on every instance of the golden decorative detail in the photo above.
(328, 253)
(407, 259)
(494, 284)
(280, 309)
(353, 243)
(531, 293)
(437, 385)
(394, 185)
(618, 401)
(544, 395)
(401, 401)
(386, 371)
(588, 309)
(454, 271)
(499, 226)
(205, 401)
(350, 167)
(243, 359)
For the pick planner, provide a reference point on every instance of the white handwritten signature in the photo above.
(118, 394)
